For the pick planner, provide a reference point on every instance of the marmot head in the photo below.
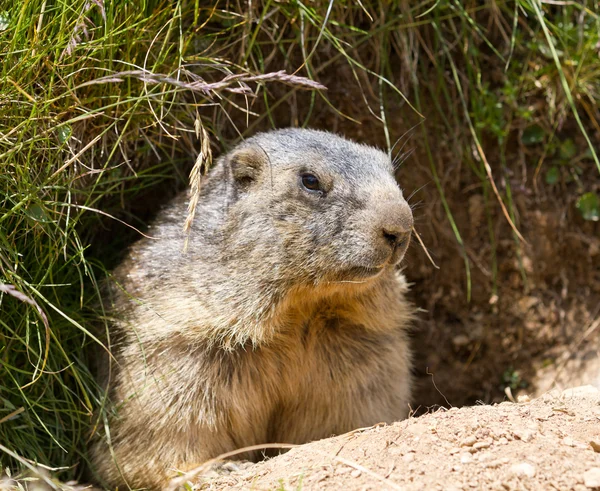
(315, 207)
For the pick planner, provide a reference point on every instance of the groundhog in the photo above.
(284, 321)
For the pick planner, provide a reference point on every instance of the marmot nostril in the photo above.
(395, 238)
(391, 237)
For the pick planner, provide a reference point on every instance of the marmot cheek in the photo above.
(360, 251)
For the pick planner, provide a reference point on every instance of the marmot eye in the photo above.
(311, 182)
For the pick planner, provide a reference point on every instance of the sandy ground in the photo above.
(548, 443)
(552, 442)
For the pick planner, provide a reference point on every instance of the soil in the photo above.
(552, 442)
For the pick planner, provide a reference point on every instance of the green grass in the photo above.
(531, 57)
(99, 102)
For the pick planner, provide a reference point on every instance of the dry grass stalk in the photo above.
(200, 169)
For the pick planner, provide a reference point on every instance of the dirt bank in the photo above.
(549, 443)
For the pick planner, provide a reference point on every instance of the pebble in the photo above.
(523, 469)
(484, 456)
(468, 441)
(356, 473)
(591, 478)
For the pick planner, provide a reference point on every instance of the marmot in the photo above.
(285, 321)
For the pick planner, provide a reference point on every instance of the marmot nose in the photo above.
(391, 229)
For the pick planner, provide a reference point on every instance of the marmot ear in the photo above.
(247, 164)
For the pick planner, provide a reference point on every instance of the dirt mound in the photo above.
(549, 443)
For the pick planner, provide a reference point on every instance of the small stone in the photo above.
(523, 469)
(484, 456)
(454, 450)
(480, 445)
(502, 441)
(591, 478)
(468, 441)
(466, 458)
(595, 446)
(569, 442)
(356, 473)
(523, 398)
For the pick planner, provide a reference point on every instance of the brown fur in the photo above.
(284, 322)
